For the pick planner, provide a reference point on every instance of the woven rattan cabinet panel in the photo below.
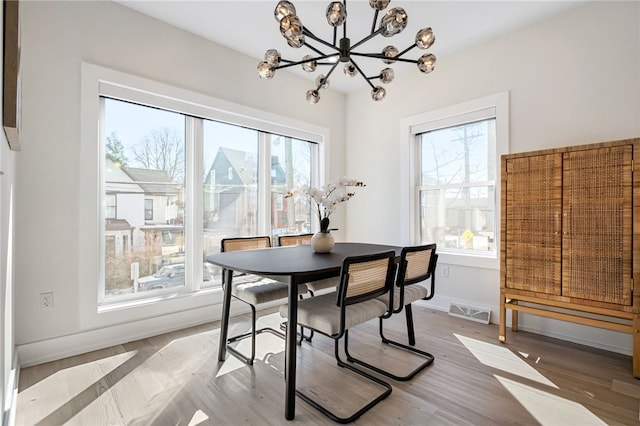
(534, 209)
(597, 224)
(569, 243)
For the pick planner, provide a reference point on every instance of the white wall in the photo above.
(573, 79)
(56, 38)
(8, 362)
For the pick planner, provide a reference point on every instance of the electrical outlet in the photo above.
(46, 300)
(445, 272)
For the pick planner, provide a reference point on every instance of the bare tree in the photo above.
(162, 149)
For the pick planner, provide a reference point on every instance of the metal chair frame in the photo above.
(343, 301)
(248, 360)
(401, 282)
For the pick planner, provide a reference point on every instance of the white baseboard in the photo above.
(86, 341)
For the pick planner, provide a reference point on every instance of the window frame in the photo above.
(98, 81)
(410, 168)
(148, 211)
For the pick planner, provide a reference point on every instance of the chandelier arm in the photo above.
(362, 74)
(344, 24)
(318, 51)
(367, 38)
(327, 76)
(309, 34)
(380, 56)
(335, 36)
(293, 63)
(406, 50)
(375, 18)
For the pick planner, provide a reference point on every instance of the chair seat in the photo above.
(412, 293)
(255, 290)
(322, 314)
(327, 283)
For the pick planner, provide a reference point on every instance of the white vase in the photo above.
(322, 242)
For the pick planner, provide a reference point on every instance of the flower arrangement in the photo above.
(327, 198)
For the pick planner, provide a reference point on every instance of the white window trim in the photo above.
(97, 81)
(409, 127)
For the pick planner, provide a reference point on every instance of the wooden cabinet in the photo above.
(569, 243)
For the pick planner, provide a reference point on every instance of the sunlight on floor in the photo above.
(503, 359)
(78, 379)
(198, 418)
(549, 409)
(546, 408)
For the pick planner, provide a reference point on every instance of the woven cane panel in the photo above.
(533, 223)
(295, 240)
(367, 277)
(417, 263)
(597, 231)
(246, 244)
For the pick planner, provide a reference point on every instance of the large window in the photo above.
(153, 159)
(457, 197)
(452, 181)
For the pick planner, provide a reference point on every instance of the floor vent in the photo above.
(470, 313)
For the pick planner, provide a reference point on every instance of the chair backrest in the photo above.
(294, 240)
(365, 277)
(245, 243)
(417, 263)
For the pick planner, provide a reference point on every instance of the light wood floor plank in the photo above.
(175, 379)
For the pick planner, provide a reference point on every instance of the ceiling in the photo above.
(249, 27)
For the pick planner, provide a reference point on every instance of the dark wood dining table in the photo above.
(293, 265)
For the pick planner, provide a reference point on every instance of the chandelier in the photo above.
(297, 35)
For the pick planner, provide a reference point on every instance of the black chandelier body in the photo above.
(297, 35)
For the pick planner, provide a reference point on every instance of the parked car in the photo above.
(171, 276)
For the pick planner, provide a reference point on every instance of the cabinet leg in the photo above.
(514, 317)
(502, 330)
(636, 345)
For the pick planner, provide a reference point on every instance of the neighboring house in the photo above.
(162, 207)
(124, 211)
(231, 191)
(144, 221)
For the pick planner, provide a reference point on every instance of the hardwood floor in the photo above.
(175, 379)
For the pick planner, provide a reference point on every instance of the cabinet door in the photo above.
(597, 224)
(533, 223)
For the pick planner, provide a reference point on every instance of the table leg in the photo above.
(224, 321)
(290, 352)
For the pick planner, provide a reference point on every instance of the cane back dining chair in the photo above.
(362, 280)
(253, 290)
(417, 264)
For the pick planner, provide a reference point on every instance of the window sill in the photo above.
(153, 300)
(469, 260)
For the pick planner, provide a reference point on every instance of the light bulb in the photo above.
(426, 63)
(378, 93)
(389, 52)
(387, 75)
(425, 38)
(310, 65)
(266, 70)
(313, 96)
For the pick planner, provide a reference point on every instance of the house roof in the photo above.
(245, 168)
(116, 180)
(118, 225)
(153, 181)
